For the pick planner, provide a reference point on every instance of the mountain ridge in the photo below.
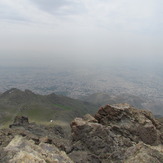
(41, 107)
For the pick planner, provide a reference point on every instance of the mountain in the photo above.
(41, 108)
(156, 106)
(115, 134)
(103, 99)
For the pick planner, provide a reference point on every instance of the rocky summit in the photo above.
(115, 134)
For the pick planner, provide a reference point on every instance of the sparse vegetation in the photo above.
(40, 108)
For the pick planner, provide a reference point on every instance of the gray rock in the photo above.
(144, 153)
(23, 150)
(138, 125)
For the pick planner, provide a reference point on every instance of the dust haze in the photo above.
(80, 47)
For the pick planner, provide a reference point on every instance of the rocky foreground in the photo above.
(115, 134)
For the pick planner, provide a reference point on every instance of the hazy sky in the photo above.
(51, 31)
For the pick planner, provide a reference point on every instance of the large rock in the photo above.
(113, 131)
(23, 150)
(137, 125)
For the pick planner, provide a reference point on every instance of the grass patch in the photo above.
(62, 106)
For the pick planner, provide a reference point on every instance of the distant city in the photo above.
(81, 82)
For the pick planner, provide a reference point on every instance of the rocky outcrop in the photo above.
(137, 125)
(29, 141)
(114, 135)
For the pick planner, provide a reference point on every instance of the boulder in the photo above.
(125, 120)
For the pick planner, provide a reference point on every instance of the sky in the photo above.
(49, 32)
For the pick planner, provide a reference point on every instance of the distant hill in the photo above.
(156, 106)
(41, 108)
(103, 99)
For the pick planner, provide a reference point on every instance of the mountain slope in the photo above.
(41, 108)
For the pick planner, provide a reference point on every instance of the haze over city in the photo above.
(78, 32)
(80, 47)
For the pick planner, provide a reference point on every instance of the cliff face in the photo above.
(115, 134)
